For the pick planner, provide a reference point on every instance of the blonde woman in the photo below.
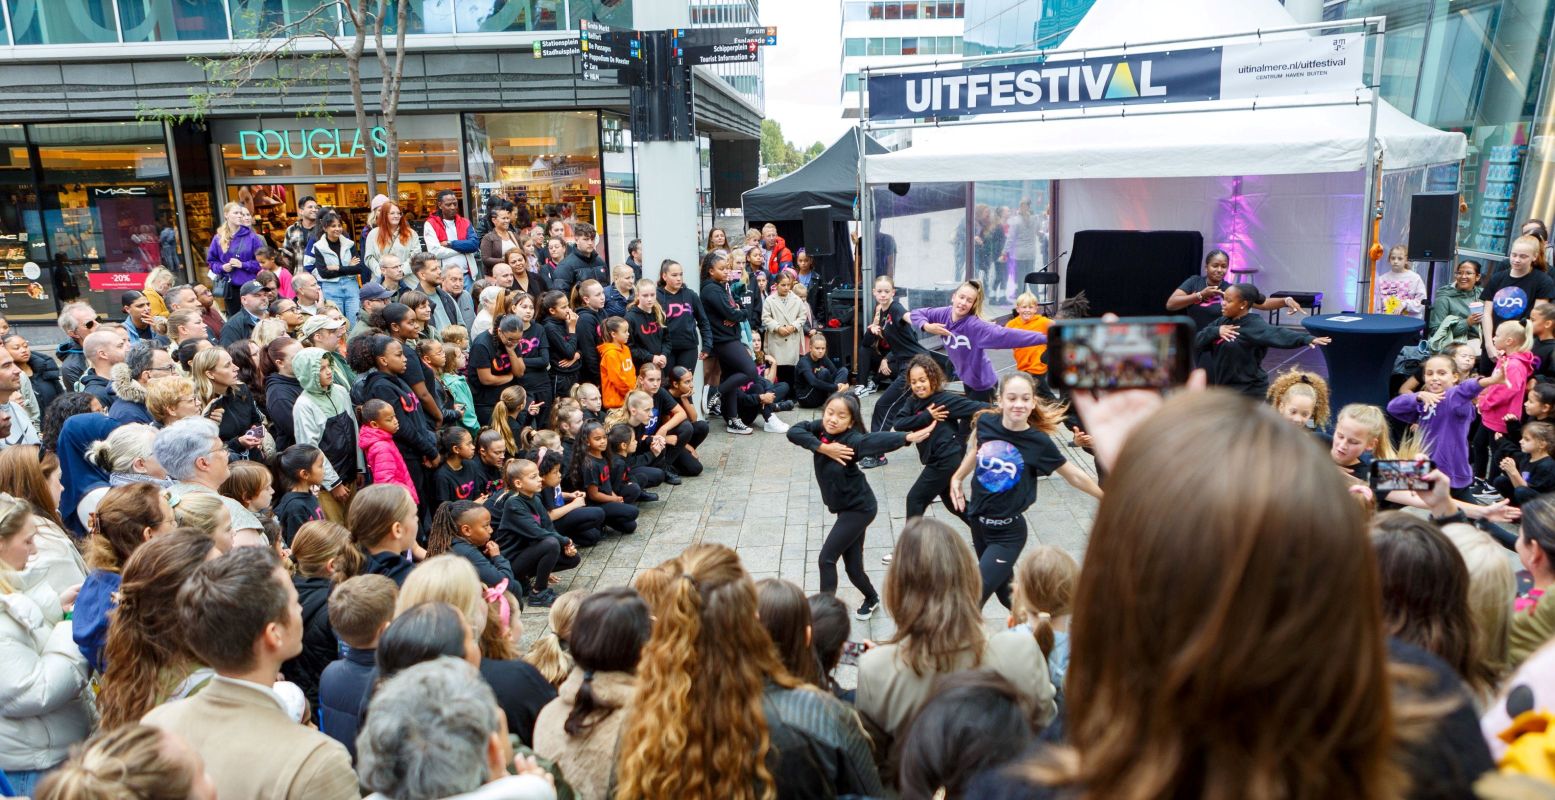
(232, 249)
(170, 398)
(521, 690)
(216, 383)
(42, 672)
(207, 513)
(158, 282)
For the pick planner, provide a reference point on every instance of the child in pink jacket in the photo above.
(376, 439)
(1504, 400)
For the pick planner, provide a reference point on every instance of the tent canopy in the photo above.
(1209, 143)
(830, 179)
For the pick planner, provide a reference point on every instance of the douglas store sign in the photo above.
(270, 144)
(1299, 65)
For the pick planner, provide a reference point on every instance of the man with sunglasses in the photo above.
(77, 320)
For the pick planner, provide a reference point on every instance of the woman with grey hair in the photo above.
(192, 452)
(444, 701)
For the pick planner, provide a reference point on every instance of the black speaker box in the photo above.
(817, 230)
(1433, 226)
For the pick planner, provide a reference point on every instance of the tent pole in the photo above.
(1366, 278)
(863, 274)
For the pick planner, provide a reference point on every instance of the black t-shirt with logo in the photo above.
(1004, 481)
(1202, 313)
(486, 352)
(1513, 298)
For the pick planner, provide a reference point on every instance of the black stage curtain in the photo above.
(1131, 273)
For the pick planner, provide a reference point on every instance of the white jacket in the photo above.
(777, 311)
(42, 677)
(58, 563)
(320, 257)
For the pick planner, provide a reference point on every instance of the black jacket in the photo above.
(685, 321)
(898, 339)
(525, 520)
(575, 269)
(72, 362)
(98, 387)
(588, 338)
(239, 326)
(724, 314)
(843, 487)
(281, 393)
(341, 689)
(536, 355)
(491, 569)
(415, 438)
(818, 749)
(1238, 364)
(239, 414)
(521, 692)
(947, 443)
(562, 345)
(294, 510)
(647, 335)
(45, 378)
(319, 646)
(817, 379)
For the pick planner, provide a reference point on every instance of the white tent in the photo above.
(1282, 188)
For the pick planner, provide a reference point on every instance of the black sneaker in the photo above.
(867, 610)
(737, 427)
(647, 497)
(545, 597)
(786, 405)
(671, 478)
(870, 462)
(715, 407)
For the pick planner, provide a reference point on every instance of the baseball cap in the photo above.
(373, 291)
(252, 287)
(319, 322)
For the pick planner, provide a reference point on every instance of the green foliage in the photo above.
(780, 155)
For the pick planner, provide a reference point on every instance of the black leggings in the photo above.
(751, 409)
(539, 559)
(539, 393)
(889, 403)
(980, 395)
(562, 383)
(846, 541)
(620, 516)
(646, 476)
(933, 481)
(682, 358)
(998, 543)
(582, 525)
(687, 433)
(738, 369)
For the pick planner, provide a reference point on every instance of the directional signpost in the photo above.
(700, 46)
(604, 49)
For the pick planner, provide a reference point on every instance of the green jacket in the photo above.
(1454, 302)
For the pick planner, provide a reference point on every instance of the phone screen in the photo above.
(850, 652)
(1401, 474)
(1139, 353)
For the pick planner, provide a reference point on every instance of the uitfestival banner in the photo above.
(1271, 67)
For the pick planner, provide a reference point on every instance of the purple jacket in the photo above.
(1445, 430)
(969, 337)
(242, 247)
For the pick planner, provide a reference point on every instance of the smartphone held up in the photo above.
(1131, 353)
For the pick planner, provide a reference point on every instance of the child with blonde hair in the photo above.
(1506, 398)
(1301, 398)
(1045, 579)
(1031, 360)
(549, 653)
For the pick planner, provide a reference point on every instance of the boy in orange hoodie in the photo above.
(1031, 360)
(617, 374)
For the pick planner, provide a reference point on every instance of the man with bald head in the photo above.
(103, 348)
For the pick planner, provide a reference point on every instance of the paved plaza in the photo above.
(759, 496)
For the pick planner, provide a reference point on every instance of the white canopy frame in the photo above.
(1368, 96)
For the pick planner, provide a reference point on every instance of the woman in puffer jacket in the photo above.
(42, 672)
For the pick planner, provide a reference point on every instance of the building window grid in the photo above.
(903, 46)
(5, 8)
(905, 9)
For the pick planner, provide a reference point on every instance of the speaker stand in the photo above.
(1430, 295)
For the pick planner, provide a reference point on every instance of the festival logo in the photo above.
(650, 328)
(999, 466)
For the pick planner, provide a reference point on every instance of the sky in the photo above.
(804, 70)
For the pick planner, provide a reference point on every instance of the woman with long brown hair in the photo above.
(149, 663)
(36, 482)
(933, 593)
(391, 235)
(128, 517)
(717, 715)
(1238, 650)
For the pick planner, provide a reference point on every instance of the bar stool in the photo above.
(1243, 273)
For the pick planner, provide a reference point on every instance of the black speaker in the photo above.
(1433, 226)
(817, 230)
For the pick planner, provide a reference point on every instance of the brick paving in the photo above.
(758, 495)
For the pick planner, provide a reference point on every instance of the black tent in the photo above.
(831, 179)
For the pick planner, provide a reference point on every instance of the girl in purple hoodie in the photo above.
(968, 337)
(232, 250)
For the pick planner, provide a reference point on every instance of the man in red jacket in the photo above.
(779, 257)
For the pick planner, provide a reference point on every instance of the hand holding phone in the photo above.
(1401, 475)
(1116, 354)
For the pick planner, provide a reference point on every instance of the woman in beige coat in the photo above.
(579, 729)
(783, 317)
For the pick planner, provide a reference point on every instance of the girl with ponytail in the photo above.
(1044, 598)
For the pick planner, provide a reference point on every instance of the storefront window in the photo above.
(268, 149)
(620, 185)
(252, 19)
(106, 199)
(539, 161)
(611, 13)
(63, 21)
(510, 15)
(27, 281)
(172, 20)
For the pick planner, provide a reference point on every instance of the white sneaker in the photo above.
(774, 425)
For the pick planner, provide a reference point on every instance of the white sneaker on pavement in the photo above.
(774, 425)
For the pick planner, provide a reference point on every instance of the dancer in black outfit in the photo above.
(687, 334)
(817, 376)
(561, 342)
(895, 338)
(726, 315)
(929, 403)
(836, 439)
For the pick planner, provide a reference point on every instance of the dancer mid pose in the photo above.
(896, 343)
(968, 338)
(836, 439)
(1008, 452)
(725, 315)
(942, 452)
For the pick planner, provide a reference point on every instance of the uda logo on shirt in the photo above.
(999, 466)
(650, 328)
(527, 346)
(1510, 301)
(674, 310)
(465, 490)
(956, 341)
